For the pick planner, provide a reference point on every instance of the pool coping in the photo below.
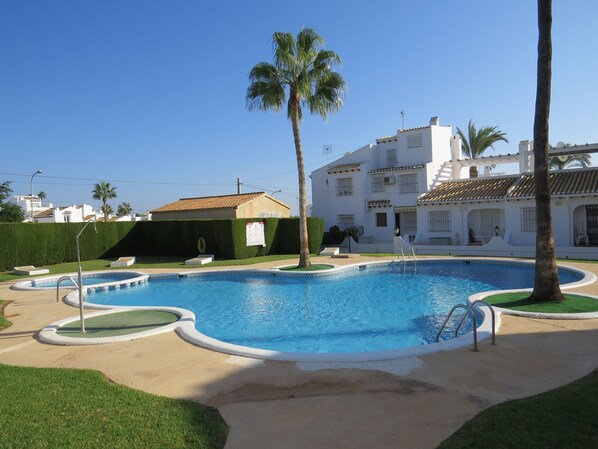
(185, 326)
(27, 285)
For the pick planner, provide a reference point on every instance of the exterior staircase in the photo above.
(444, 173)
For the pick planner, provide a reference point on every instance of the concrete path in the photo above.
(406, 403)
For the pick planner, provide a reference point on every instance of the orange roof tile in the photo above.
(210, 202)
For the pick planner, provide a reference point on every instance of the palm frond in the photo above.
(285, 50)
(328, 95)
(478, 141)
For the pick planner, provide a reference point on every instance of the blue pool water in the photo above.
(88, 279)
(360, 310)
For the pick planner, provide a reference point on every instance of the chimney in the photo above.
(435, 121)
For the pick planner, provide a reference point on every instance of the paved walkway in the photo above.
(406, 403)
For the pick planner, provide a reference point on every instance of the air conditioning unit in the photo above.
(391, 179)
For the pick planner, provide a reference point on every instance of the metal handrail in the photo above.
(468, 310)
(471, 306)
(64, 278)
(402, 257)
(414, 258)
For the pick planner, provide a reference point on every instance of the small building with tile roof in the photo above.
(245, 205)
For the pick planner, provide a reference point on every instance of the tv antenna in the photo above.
(402, 120)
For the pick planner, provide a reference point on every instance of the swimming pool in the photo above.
(360, 309)
(98, 279)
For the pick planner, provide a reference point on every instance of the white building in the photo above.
(29, 204)
(376, 187)
(66, 214)
(412, 181)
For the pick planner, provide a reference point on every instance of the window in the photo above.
(271, 215)
(408, 183)
(528, 219)
(408, 221)
(439, 221)
(378, 183)
(381, 220)
(414, 141)
(345, 221)
(391, 158)
(344, 186)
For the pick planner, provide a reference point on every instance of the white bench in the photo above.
(332, 251)
(29, 270)
(123, 262)
(200, 260)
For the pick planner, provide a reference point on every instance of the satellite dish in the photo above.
(560, 144)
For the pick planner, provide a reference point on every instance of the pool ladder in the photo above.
(404, 260)
(469, 310)
(64, 278)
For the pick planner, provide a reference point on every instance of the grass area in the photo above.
(4, 323)
(564, 418)
(313, 267)
(119, 323)
(66, 408)
(146, 262)
(519, 301)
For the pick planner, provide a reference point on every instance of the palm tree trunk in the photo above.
(546, 282)
(304, 260)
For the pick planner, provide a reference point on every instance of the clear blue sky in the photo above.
(150, 95)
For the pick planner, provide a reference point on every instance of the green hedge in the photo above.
(50, 243)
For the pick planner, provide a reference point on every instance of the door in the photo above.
(592, 223)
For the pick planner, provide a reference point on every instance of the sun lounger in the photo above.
(29, 270)
(332, 251)
(200, 260)
(123, 262)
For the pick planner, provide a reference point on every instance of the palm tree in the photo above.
(476, 142)
(103, 191)
(42, 196)
(124, 209)
(546, 279)
(302, 72)
(557, 163)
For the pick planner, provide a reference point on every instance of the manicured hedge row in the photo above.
(51, 243)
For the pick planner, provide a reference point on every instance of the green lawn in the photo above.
(565, 418)
(56, 408)
(314, 267)
(118, 323)
(519, 301)
(147, 262)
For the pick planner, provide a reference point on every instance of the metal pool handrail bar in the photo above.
(64, 278)
(414, 258)
(482, 302)
(403, 257)
(468, 311)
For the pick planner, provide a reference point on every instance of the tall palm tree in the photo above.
(124, 209)
(546, 279)
(301, 72)
(103, 191)
(476, 142)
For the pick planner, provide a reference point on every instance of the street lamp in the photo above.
(80, 274)
(276, 191)
(31, 194)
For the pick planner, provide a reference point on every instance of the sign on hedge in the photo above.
(255, 233)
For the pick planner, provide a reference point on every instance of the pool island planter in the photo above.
(133, 278)
(185, 327)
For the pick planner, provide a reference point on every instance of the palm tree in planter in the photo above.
(546, 278)
(301, 75)
(478, 141)
(103, 191)
(124, 209)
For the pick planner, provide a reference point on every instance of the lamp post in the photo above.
(276, 191)
(31, 194)
(80, 274)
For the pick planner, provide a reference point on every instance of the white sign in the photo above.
(255, 234)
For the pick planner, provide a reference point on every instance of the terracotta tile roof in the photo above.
(388, 139)
(391, 169)
(346, 168)
(469, 190)
(209, 202)
(44, 213)
(565, 182)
